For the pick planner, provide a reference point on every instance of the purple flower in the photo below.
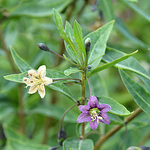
(94, 113)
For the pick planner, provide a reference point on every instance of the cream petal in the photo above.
(41, 90)
(33, 89)
(42, 71)
(32, 73)
(47, 80)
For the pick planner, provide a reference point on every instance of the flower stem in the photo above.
(66, 113)
(67, 79)
(83, 101)
(89, 86)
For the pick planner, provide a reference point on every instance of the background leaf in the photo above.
(141, 97)
(75, 144)
(39, 8)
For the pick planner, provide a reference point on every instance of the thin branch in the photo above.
(102, 139)
(67, 79)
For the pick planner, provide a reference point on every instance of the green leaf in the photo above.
(54, 74)
(79, 40)
(16, 77)
(22, 65)
(67, 39)
(18, 142)
(71, 71)
(125, 31)
(63, 89)
(139, 94)
(112, 63)
(36, 8)
(75, 144)
(98, 43)
(55, 112)
(130, 64)
(69, 33)
(137, 10)
(116, 108)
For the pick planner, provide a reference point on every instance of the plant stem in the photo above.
(83, 100)
(102, 139)
(67, 79)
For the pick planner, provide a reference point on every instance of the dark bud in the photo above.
(89, 66)
(42, 46)
(76, 81)
(61, 136)
(87, 44)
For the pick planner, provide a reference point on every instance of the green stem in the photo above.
(83, 100)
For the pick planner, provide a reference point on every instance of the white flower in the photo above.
(37, 80)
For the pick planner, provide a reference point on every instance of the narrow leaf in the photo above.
(79, 39)
(71, 71)
(63, 89)
(116, 108)
(22, 65)
(59, 25)
(98, 43)
(139, 94)
(130, 64)
(105, 66)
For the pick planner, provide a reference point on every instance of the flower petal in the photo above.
(33, 89)
(32, 73)
(104, 107)
(42, 71)
(84, 108)
(47, 81)
(84, 118)
(93, 102)
(105, 119)
(41, 90)
(93, 124)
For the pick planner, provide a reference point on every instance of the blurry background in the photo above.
(25, 23)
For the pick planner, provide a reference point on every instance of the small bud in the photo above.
(87, 44)
(89, 66)
(61, 136)
(42, 46)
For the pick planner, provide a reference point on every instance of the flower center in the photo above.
(94, 112)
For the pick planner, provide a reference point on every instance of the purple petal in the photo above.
(104, 108)
(84, 108)
(94, 124)
(93, 102)
(105, 119)
(83, 118)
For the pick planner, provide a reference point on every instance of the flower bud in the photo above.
(89, 66)
(87, 44)
(42, 46)
(61, 136)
